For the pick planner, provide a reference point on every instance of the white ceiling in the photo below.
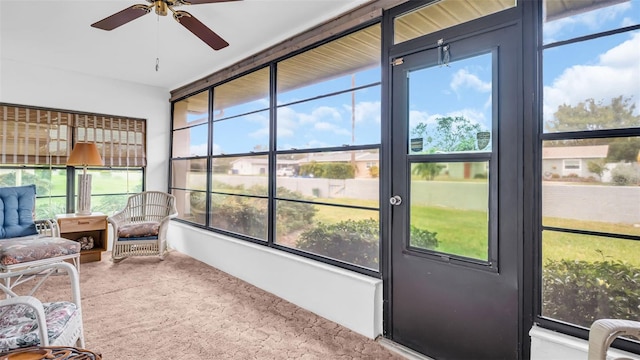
(57, 34)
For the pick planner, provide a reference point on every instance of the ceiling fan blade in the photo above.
(196, 2)
(200, 30)
(122, 17)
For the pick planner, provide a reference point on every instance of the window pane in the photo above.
(592, 85)
(50, 188)
(241, 175)
(191, 141)
(449, 208)
(346, 177)
(444, 14)
(351, 61)
(450, 108)
(115, 181)
(241, 134)
(191, 111)
(245, 94)
(592, 185)
(240, 214)
(111, 188)
(189, 174)
(191, 205)
(564, 20)
(589, 277)
(341, 233)
(351, 118)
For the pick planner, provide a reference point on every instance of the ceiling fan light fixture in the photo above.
(161, 7)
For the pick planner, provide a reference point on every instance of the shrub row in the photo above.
(580, 292)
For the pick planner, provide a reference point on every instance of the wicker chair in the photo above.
(141, 227)
(604, 331)
(26, 321)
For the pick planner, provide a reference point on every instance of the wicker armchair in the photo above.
(26, 321)
(141, 227)
(604, 331)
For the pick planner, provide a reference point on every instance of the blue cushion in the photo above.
(16, 211)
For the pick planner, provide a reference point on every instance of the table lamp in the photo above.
(84, 154)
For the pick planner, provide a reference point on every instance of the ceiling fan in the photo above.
(184, 18)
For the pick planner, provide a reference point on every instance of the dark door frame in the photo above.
(527, 14)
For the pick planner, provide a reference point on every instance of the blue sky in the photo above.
(601, 69)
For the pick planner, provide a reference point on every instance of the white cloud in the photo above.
(591, 20)
(260, 133)
(198, 150)
(365, 111)
(329, 127)
(464, 79)
(287, 122)
(616, 73)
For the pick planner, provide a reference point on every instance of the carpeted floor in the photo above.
(183, 309)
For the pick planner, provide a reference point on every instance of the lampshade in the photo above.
(85, 154)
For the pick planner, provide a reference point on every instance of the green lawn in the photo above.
(458, 232)
(465, 233)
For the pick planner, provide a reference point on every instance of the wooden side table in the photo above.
(74, 227)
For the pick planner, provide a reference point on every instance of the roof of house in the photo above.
(575, 152)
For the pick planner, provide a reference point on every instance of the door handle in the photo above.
(395, 200)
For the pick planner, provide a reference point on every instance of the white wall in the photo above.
(25, 84)
(347, 298)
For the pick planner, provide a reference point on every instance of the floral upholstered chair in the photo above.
(141, 227)
(26, 321)
(25, 242)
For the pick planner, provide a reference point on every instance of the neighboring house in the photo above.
(571, 160)
(258, 166)
(362, 160)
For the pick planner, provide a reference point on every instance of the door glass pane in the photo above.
(442, 15)
(450, 107)
(449, 208)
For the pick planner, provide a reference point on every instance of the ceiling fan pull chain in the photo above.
(158, 43)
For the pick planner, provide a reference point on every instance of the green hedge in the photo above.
(248, 215)
(580, 292)
(355, 242)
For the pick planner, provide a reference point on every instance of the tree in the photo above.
(448, 134)
(589, 115)
(427, 170)
(597, 167)
(624, 149)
